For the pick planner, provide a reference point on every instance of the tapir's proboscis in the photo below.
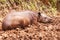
(22, 19)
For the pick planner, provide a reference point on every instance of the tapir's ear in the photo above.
(39, 14)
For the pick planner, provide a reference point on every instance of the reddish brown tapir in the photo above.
(16, 19)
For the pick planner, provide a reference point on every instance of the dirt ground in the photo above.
(44, 31)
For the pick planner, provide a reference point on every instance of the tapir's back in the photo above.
(14, 19)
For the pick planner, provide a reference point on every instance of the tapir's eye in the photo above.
(39, 13)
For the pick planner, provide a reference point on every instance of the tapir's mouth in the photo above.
(46, 20)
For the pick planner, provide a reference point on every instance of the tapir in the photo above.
(16, 19)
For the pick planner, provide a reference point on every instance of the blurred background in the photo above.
(50, 7)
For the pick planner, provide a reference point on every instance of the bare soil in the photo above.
(44, 31)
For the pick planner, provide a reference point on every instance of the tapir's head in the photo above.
(43, 18)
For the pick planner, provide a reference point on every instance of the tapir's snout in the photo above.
(44, 18)
(49, 20)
